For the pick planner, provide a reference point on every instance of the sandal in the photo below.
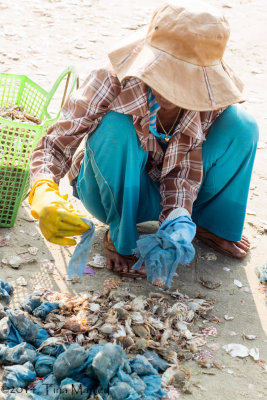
(109, 246)
(204, 237)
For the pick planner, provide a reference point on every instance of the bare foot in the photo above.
(120, 263)
(234, 249)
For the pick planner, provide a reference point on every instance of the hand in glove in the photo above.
(163, 251)
(57, 217)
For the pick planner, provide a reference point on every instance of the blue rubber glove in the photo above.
(163, 251)
(78, 260)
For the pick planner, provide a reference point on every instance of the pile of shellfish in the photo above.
(164, 323)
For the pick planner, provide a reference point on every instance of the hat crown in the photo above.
(189, 31)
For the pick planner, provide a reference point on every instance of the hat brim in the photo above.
(186, 85)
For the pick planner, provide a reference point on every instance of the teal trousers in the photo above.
(115, 188)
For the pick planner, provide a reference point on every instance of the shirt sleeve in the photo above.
(180, 187)
(81, 114)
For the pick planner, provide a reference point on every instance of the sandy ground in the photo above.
(41, 38)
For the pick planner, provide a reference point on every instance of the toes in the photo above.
(245, 238)
(242, 245)
(238, 252)
(245, 241)
(142, 271)
(118, 266)
(125, 268)
(109, 259)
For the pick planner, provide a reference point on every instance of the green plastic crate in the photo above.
(17, 140)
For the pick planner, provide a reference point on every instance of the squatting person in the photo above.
(165, 140)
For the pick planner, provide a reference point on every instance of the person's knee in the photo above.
(117, 126)
(243, 126)
(114, 134)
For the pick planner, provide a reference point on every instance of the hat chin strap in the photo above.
(209, 88)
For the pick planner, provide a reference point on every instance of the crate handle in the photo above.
(71, 70)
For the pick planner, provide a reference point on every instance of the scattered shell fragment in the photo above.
(4, 240)
(203, 355)
(172, 393)
(21, 281)
(209, 331)
(197, 341)
(250, 212)
(98, 261)
(16, 261)
(200, 305)
(228, 318)
(50, 266)
(209, 284)
(249, 337)
(254, 353)
(111, 283)
(74, 279)
(238, 283)
(236, 350)
(213, 346)
(229, 371)
(33, 250)
(232, 333)
(210, 257)
(174, 376)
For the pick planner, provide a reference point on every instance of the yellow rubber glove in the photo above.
(57, 217)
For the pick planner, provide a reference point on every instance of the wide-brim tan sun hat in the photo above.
(180, 56)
